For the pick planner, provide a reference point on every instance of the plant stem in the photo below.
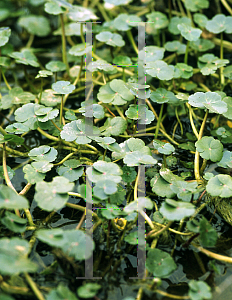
(186, 53)
(66, 158)
(33, 286)
(14, 152)
(179, 121)
(154, 234)
(103, 12)
(168, 136)
(191, 121)
(227, 7)
(148, 219)
(197, 154)
(131, 39)
(30, 41)
(5, 80)
(221, 57)
(79, 207)
(61, 108)
(222, 258)
(159, 121)
(64, 54)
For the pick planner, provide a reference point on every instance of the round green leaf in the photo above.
(202, 45)
(50, 98)
(45, 153)
(175, 46)
(176, 210)
(140, 113)
(14, 223)
(122, 60)
(137, 158)
(160, 263)
(200, 20)
(103, 170)
(112, 39)
(80, 49)
(217, 24)
(199, 290)
(162, 96)
(89, 290)
(151, 53)
(53, 195)
(124, 22)
(161, 187)
(164, 148)
(55, 66)
(115, 126)
(56, 7)
(13, 258)
(62, 292)
(195, 5)
(159, 69)
(71, 170)
(175, 21)
(53, 237)
(10, 172)
(208, 235)
(188, 32)
(81, 14)
(75, 131)
(220, 185)
(43, 73)
(10, 200)
(5, 33)
(209, 148)
(138, 205)
(37, 25)
(158, 19)
(209, 100)
(226, 161)
(25, 57)
(32, 175)
(63, 87)
(228, 113)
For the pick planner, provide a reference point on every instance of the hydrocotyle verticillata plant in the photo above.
(137, 155)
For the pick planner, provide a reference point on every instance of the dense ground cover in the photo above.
(116, 149)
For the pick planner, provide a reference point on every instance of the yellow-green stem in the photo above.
(63, 38)
(33, 286)
(197, 154)
(131, 39)
(159, 121)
